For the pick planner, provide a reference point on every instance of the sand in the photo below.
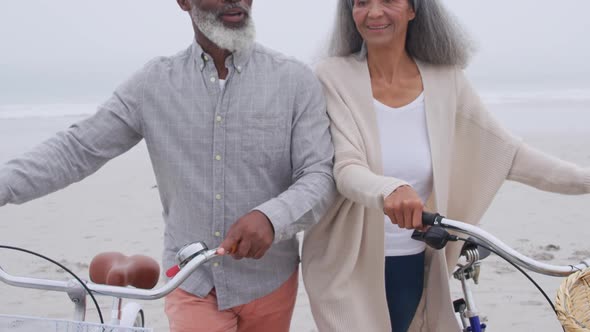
(118, 209)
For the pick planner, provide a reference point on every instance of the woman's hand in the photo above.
(404, 207)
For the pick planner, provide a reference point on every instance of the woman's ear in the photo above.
(411, 10)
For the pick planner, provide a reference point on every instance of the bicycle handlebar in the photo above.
(431, 219)
(435, 219)
(116, 291)
(157, 293)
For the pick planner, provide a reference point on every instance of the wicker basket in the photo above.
(35, 324)
(573, 302)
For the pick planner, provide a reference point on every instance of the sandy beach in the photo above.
(118, 209)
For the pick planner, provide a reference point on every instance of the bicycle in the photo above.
(112, 274)
(478, 246)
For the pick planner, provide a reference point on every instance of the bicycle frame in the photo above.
(466, 307)
(469, 314)
(78, 294)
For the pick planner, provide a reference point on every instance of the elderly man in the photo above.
(239, 142)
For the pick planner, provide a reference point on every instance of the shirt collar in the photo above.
(238, 59)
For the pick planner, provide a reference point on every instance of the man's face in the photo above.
(227, 23)
(231, 13)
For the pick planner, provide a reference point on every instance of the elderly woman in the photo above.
(410, 133)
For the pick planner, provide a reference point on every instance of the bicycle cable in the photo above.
(83, 284)
(516, 267)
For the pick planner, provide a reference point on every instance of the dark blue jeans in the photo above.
(404, 281)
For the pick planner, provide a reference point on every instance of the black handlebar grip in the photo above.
(431, 219)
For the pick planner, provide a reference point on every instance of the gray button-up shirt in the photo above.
(260, 143)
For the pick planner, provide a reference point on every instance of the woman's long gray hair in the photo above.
(434, 36)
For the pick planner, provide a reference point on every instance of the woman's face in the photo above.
(382, 22)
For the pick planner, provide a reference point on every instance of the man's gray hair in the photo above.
(434, 35)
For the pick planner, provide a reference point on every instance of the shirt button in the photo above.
(239, 69)
(217, 234)
(218, 118)
(212, 79)
(218, 196)
(206, 58)
(215, 264)
(217, 157)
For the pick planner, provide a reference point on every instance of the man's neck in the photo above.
(218, 54)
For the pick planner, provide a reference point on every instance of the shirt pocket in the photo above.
(266, 138)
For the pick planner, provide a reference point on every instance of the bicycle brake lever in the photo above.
(435, 237)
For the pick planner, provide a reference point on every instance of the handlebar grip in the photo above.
(431, 219)
(173, 271)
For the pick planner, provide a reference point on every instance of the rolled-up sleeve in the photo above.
(80, 150)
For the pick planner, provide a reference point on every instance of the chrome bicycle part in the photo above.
(189, 251)
(511, 254)
(77, 295)
(105, 290)
(471, 269)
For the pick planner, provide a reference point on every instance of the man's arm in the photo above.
(313, 189)
(312, 153)
(79, 151)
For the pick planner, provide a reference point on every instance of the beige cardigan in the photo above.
(472, 155)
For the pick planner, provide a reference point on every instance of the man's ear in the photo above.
(184, 5)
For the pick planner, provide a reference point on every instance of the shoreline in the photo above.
(118, 209)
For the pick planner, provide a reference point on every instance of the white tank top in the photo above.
(406, 155)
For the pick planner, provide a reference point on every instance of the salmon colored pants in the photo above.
(271, 313)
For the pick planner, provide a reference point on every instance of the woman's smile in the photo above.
(378, 27)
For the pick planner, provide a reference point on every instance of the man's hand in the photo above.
(249, 237)
(404, 207)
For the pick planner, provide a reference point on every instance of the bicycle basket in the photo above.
(34, 324)
(573, 302)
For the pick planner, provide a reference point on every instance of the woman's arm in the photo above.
(545, 172)
(354, 179)
(529, 166)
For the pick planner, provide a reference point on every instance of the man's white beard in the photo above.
(231, 39)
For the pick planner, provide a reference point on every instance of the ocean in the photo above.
(524, 111)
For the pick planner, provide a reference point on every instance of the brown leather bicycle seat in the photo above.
(116, 269)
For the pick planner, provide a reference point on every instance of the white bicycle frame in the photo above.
(470, 315)
(78, 294)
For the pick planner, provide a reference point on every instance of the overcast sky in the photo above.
(67, 50)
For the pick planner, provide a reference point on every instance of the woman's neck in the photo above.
(395, 77)
(389, 64)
